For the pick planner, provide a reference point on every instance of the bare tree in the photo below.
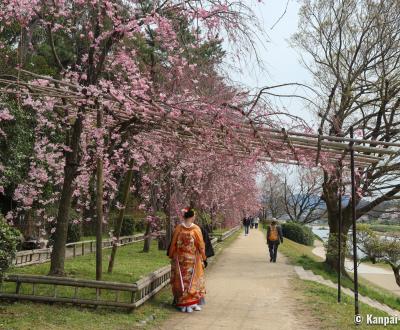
(273, 188)
(354, 47)
(303, 196)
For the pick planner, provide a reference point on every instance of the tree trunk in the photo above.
(147, 238)
(332, 255)
(70, 172)
(120, 218)
(396, 271)
(99, 206)
(29, 228)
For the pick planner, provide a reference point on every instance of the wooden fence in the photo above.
(31, 257)
(89, 292)
(228, 233)
(68, 290)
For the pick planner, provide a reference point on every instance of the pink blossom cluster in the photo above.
(134, 97)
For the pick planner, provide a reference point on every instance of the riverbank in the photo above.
(303, 256)
(377, 275)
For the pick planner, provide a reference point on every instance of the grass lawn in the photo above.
(30, 316)
(320, 301)
(386, 228)
(130, 265)
(92, 238)
(105, 236)
(302, 255)
(219, 231)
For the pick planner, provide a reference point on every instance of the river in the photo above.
(323, 233)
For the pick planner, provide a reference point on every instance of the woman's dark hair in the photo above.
(189, 213)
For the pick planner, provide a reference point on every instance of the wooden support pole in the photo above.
(353, 216)
(340, 234)
(99, 205)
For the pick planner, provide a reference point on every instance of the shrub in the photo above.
(265, 224)
(128, 226)
(9, 239)
(74, 233)
(140, 225)
(298, 233)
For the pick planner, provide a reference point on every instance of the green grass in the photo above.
(130, 265)
(219, 231)
(92, 238)
(320, 301)
(29, 316)
(302, 255)
(386, 228)
(105, 236)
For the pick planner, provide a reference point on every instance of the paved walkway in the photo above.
(375, 274)
(246, 291)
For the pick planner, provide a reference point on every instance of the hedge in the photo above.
(298, 233)
(128, 226)
(74, 233)
(9, 239)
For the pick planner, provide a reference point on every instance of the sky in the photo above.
(281, 61)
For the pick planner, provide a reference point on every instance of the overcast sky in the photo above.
(280, 60)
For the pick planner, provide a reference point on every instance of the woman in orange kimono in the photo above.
(187, 253)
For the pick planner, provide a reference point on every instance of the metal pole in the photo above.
(339, 298)
(353, 216)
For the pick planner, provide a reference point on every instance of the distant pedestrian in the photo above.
(251, 222)
(274, 238)
(246, 225)
(256, 221)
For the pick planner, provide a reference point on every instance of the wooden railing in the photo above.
(228, 233)
(68, 290)
(214, 241)
(147, 287)
(31, 257)
(89, 292)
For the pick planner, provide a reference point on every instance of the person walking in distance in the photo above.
(256, 221)
(246, 224)
(274, 238)
(251, 222)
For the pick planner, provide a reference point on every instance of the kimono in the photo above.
(187, 253)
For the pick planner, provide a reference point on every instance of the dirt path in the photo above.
(246, 291)
(374, 274)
